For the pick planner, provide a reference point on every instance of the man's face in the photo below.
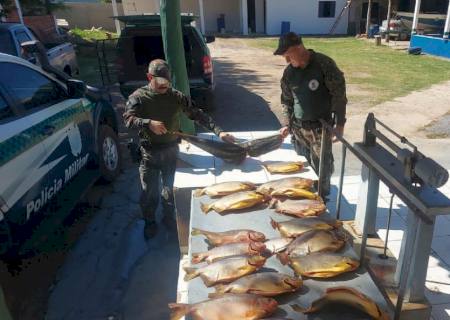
(158, 84)
(296, 56)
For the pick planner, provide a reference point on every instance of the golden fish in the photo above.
(291, 182)
(228, 250)
(295, 227)
(295, 193)
(277, 245)
(235, 201)
(299, 208)
(267, 284)
(225, 188)
(313, 241)
(226, 307)
(226, 270)
(347, 296)
(322, 265)
(284, 167)
(232, 236)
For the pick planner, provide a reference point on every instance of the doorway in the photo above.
(251, 16)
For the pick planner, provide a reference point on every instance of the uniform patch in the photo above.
(313, 85)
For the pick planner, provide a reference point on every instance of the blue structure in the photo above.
(432, 45)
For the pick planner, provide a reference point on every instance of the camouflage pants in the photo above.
(158, 166)
(307, 143)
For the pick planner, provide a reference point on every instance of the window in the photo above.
(327, 9)
(22, 36)
(7, 43)
(5, 110)
(30, 88)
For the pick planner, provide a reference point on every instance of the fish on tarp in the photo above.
(313, 241)
(260, 146)
(226, 270)
(235, 201)
(345, 296)
(322, 265)
(284, 166)
(277, 245)
(228, 250)
(299, 208)
(225, 188)
(229, 152)
(291, 182)
(231, 236)
(267, 284)
(295, 193)
(296, 227)
(226, 307)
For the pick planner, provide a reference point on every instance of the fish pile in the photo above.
(284, 167)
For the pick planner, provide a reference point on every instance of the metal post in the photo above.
(369, 17)
(416, 17)
(341, 182)
(116, 13)
(174, 50)
(447, 24)
(19, 11)
(389, 13)
(202, 16)
(244, 17)
(366, 208)
(321, 160)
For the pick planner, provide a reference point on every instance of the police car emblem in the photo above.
(313, 85)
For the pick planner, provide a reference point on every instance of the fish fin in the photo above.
(205, 208)
(274, 223)
(214, 295)
(283, 257)
(196, 232)
(198, 192)
(178, 310)
(220, 288)
(198, 257)
(298, 308)
(191, 273)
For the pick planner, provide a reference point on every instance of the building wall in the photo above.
(303, 17)
(259, 12)
(88, 15)
(357, 18)
(230, 8)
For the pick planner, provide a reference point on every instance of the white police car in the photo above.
(50, 133)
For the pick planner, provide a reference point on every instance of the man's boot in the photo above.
(150, 229)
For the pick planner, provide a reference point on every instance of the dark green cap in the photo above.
(286, 41)
(159, 68)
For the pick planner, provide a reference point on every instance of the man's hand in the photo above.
(338, 131)
(284, 131)
(157, 127)
(227, 137)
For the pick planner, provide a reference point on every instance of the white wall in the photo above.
(231, 10)
(259, 12)
(303, 16)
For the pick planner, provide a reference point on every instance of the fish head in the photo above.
(256, 247)
(256, 261)
(354, 264)
(256, 236)
(269, 305)
(293, 282)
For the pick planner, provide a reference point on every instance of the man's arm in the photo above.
(335, 82)
(132, 113)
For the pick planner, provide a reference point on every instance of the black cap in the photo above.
(159, 68)
(286, 41)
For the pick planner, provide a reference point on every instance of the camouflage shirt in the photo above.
(145, 105)
(313, 92)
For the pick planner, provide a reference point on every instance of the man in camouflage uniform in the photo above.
(154, 110)
(313, 88)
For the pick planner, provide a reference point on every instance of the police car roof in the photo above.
(4, 57)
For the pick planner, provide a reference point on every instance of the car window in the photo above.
(31, 88)
(6, 43)
(5, 109)
(22, 36)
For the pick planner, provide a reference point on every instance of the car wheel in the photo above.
(108, 153)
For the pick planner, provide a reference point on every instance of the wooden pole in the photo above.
(202, 16)
(369, 17)
(447, 24)
(116, 13)
(388, 28)
(19, 11)
(416, 17)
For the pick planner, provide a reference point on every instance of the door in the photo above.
(251, 16)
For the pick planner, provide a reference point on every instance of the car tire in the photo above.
(109, 158)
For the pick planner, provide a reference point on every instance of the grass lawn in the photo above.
(92, 35)
(378, 73)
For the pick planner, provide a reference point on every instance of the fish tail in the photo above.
(274, 223)
(283, 257)
(198, 257)
(178, 310)
(298, 308)
(191, 273)
(198, 192)
(196, 232)
(205, 208)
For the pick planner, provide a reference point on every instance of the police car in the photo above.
(51, 131)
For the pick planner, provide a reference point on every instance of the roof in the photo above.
(8, 25)
(152, 19)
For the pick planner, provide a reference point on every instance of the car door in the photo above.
(62, 125)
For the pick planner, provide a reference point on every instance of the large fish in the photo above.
(267, 284)
(235, 201)
(232, 236)
(228, 250)
(283, 167)
(226, 307)
(291, 182)
(225, 188)
(313, 241)
(226, 270)
(295, 193)
(277, 245)
(296, 227)
(322, 265)
(260, 146)
(299, 208)
(346, 296)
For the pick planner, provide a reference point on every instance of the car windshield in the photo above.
(6, 43)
